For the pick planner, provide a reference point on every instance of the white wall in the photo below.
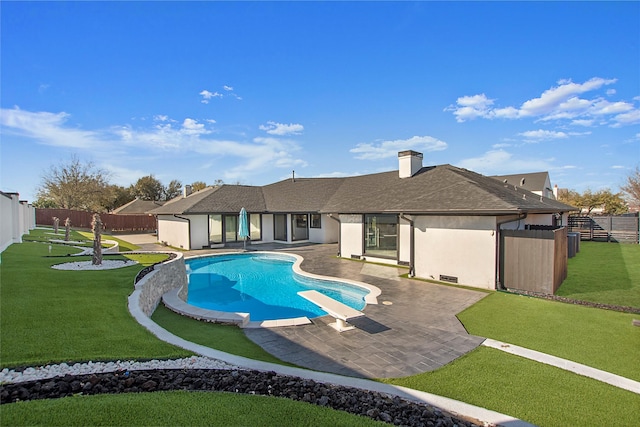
(404, 242)
(173, 231)
(18, 217)
(462, 247)
(199, 230)
(539, 219)
(351, 235)
(328, 233)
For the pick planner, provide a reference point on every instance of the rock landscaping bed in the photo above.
(374, 405)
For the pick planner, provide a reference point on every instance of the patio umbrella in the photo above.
(243, 226)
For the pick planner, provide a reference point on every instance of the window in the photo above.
(381, 235)
(230, 228)
(299, 227)
(215, 228)
(255, 227)
(280, 227)
(316, 221)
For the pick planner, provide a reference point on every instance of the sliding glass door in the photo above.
(381, 235)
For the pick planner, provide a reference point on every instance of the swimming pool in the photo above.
(263, 284)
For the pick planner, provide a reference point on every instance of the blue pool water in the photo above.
(263, 285)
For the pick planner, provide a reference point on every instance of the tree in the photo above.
(148, 188)
(73, 185)
(610, 203)
(116, 196)
(198, 185)
(173, 190)
(632, 186)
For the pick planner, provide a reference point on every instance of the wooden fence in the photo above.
(533, 260)
(606, 228)
(82, 219)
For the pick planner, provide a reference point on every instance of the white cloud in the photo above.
(541, 134)
(192, 127)
(207, 95)
(582, 122)
(632, 117)
(281, 129)
(618, 167)
(561, 102)
(500, 162)
(161, 118)
(227, 88)
(386, 149)
(47, 128)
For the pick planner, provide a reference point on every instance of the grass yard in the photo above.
(606, 273)
(176, 409)
(227, 338)
(49, 315)
(537, 393)
(52, 316)
(602, 339)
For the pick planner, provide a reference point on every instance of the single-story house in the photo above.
(442, 221)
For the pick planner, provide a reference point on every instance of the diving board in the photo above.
(339, 311)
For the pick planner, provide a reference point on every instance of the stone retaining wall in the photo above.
(164, 277)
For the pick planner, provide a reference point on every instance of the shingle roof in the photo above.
(137, 206)
(222, 199)
(529, 181)
(301, 194)
(443, 189)
(436, 189)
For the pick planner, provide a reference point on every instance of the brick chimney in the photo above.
(409, 162)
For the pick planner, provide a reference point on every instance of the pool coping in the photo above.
(172, 300)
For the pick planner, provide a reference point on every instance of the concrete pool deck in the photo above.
(413, 329)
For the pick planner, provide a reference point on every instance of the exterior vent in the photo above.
(450, 279)
(355, 256)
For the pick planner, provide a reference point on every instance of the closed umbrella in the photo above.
(243, 226)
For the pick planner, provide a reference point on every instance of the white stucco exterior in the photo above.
(199, 231)
(327, 233)
(173, 231)
(18, 217)
(351, 237)
(456, 246)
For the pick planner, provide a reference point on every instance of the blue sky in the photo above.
(247, 92)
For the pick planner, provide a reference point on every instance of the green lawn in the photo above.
(177, 408)
(602, 339)
(537, 393)
(49, 315)
(227, 338)
(606, 273)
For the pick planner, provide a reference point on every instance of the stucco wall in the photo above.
(351, 238)
(17, 219)
(328, 233)
(404, 241)
(462, 247)
(267, 228)
(173, 231)
(163, 278)
(199, 230)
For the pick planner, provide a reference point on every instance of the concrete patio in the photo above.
(412, 329)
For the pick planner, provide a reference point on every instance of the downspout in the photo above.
(188, 226)
(499, 284)
(412, 272)
(339, 231)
